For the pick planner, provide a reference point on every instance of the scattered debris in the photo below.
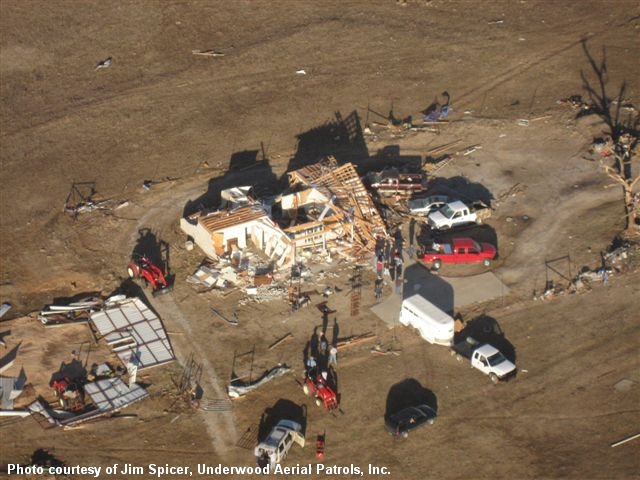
(301, 72)
(75, 312)
(10, 389)
(208, 53)
(575, 101)
(4, 308)
(624, 385)
(623, 258)
(81, 200)
(206, 277)
(102, 397)
(106, 63)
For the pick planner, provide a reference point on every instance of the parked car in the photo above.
(401, 423)
(424, 206)
(460, 250)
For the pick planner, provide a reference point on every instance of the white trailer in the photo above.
(434, 325)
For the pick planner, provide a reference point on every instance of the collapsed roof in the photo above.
(352, 200)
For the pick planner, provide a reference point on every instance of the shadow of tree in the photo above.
(623, 131)
(79, 297)
(486, 329)
(408, 393)
(608, 109)
(282, 410)
(244, 169)
(342, 138)
(43, 458)
(74, 371)
(461, 188)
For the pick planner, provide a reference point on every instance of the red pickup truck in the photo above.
(460, 250)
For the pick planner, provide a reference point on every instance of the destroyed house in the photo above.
(221, 232)
(354, 215)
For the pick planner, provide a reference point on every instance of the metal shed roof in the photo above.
(135, 333)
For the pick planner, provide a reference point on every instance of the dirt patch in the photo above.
(160, 113)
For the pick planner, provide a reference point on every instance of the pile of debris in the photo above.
(133, 332)
(263, 293)
(88, 402)
(623, 258)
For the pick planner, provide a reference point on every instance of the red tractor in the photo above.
(152, 274)
(323, 393)
(70, 394)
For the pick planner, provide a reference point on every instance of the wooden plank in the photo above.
(207, 53)
(352, 341)
(232, 322)
(625, 440)
(280, 340)
(443, 148)
(249, 438)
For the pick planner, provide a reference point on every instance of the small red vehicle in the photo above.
(69, 393)
(152, 274)
(325, 396)
(460, 250)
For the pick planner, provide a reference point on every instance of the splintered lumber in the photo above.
(280, 340)
(432, 168)
(443, 148)
(355, 340)
(377, 349)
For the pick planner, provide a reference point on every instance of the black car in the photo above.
(402, 422)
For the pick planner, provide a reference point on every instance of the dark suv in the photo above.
(402, 422)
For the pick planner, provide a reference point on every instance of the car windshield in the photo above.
(477, 246)
(447, 211)
(496, 359)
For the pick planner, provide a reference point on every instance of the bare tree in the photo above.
(621, 157)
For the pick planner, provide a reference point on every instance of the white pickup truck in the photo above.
(457, 213)
(486, 358)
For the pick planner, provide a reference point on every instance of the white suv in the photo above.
(275, 447)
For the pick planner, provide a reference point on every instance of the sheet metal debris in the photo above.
(134, 332)
(107, 396)
(238, 387)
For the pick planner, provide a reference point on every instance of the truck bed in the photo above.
(466, 347)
